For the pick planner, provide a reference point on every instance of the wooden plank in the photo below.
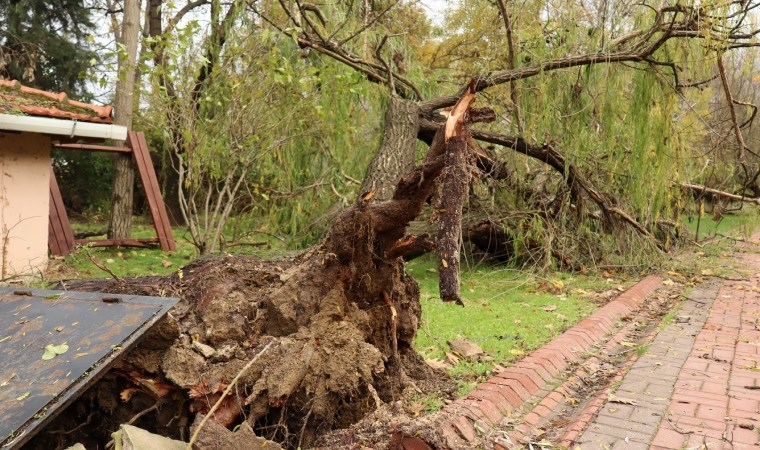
(160, 205)
(118, 242)
(133, 140)
(97, 148)
(136, 140)
(60, 235)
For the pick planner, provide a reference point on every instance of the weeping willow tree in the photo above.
(254, 132)
(588, 100)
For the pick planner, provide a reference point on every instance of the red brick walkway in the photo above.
(698, 385)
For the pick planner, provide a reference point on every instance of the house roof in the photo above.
(16, 99)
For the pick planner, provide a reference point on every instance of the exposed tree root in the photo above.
(338, 322)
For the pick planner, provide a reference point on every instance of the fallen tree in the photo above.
(314, 342)
(703, 191)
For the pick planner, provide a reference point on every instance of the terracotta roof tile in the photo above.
(18, 99)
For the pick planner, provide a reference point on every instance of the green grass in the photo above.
(717, 243)
(507, 312)
(135, 262)
(740, 224)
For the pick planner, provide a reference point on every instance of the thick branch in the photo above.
(575, 181)
(698, 189)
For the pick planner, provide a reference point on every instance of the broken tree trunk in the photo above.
(455, 186)
(454, 189)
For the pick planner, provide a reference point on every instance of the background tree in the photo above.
(47, 44)
(122, 194)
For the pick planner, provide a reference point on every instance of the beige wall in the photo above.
(24, 197)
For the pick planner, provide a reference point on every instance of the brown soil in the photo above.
(330, 352)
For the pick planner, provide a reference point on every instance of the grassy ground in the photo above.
(507, 312)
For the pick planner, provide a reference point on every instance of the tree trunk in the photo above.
(455, 186)
(122, 196)
(397, 151)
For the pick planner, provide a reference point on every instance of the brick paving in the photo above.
(511, 393)
(698, 385)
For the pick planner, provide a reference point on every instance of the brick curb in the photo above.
(497, 399)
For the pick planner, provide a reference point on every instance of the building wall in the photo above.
(24, 198)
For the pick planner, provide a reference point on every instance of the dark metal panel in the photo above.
(98, 328)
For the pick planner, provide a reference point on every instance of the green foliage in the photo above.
(46, 44)
(84, 179)
(626, 128)
(294, 129)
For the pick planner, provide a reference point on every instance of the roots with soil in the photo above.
(339, 320)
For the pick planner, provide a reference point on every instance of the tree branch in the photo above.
(511, 65)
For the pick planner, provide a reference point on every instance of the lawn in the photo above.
(507, 312)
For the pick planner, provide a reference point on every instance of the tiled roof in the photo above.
(23, 100)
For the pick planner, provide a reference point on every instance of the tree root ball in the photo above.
(332, 346)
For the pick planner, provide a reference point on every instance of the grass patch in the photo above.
(136, 262)
(740, 224)
(508, 313)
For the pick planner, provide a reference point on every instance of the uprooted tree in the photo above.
(336, 322)
(648, 55)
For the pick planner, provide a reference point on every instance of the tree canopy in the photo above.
(47, 44)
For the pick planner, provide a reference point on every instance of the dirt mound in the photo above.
(316, 342)
(332, 349)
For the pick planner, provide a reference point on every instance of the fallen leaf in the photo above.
(550, 308)
(51, 351)
(627, 344)
(612, 398)
(668, 282)
(452, 358)
(516, 352)
(23, 396)
(498, 368)
(5, 383)
(437, 364)
(166, 263)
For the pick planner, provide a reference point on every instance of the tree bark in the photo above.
(455, 186)
(122, 196)
(397, 150)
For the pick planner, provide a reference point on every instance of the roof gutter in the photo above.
(70, 128)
